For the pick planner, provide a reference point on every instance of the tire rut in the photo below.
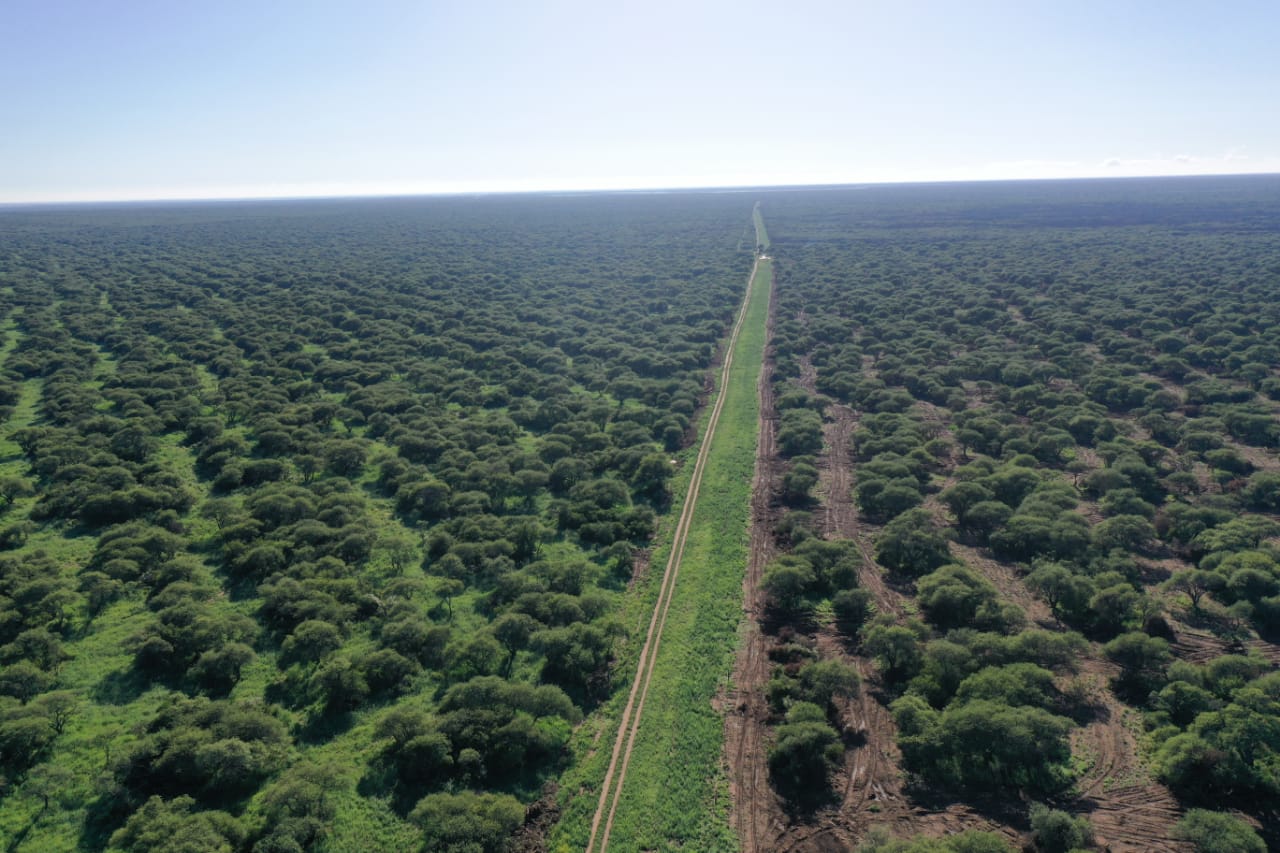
(752, 802)
(628, 726)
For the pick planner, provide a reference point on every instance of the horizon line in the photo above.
(605, 189)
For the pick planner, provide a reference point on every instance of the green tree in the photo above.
(786, 581)
(1066, 593)
(513, 631)
(1215, 832)
(467, 822)
(311, 641)
(1123, 532)
(161, 826)
(448, 589)
(986, 744)
(911, 544)
(1142, 659)
(896, 649)
(799, 432)
(339, 685)
(852, 608)
(798, 482)
(1057, 831)
(805, 751)
(823, 682)
(1195, 584)
(13, 488)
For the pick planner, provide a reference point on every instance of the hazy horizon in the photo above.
(553, 191)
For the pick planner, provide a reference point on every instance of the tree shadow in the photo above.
(321, 727)
(802, 803)
(1008, 807)
(381, 780)
(121, 687)
(103, 815)
(19, 837)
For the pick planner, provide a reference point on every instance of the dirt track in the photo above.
(753, 811)
(629, 724)
(871, 781)
(1129, 810)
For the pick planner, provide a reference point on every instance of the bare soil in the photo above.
(840, 515)
(1129, 809)
(870, 784)
(542, 814)
(755, 810)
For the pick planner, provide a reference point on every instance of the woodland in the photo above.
(326, 525)
(317, 517)
(1056, 593)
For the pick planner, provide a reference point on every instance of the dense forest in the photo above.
(318, 517)
(1027, 516)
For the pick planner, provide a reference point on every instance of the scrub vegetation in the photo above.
(1025, 518)
(319, 518)
(340, 526)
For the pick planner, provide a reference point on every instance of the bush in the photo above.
(170, 825)
(806, 750)
(912, 545)
(467, 822)
(852, 608)
(1057, 831)
(799, 432)
(786, 581)
(1214, 832)
(822, 682)
(984, 744)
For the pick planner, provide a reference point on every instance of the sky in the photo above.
(151, 99)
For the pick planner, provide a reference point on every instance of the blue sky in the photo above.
(149, 99)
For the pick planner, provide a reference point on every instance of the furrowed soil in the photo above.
(1129, 810)
(871, 782)
(754, 809)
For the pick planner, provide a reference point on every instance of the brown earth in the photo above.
(541, 815)
(870, 783)
(840, 516)
(1129, 809)
(755, 811)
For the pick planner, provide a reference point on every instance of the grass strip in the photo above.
(675, 793)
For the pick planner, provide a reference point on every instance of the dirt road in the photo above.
(752, 810)
(629, 724)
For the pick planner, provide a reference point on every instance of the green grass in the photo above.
(675, 796)
(762, 233)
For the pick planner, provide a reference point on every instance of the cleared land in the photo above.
(661, 784)
(959, 350)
